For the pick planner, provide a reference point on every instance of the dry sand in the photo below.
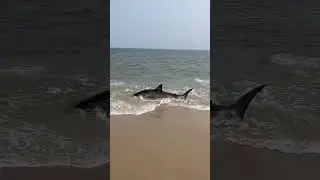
(170, 143)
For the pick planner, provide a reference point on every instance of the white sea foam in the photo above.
(23, 70)
(122, 101)
(282, 145)
(121, 107)
(116, 83)
(203, 82)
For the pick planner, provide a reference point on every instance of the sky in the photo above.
(160, 24)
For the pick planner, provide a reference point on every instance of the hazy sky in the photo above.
(163, 24)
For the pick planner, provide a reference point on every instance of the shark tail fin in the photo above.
(243, 102)
(186, 93)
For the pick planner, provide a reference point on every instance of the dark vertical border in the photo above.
(252, 33)
(211, 77)
(107, 40)
(105, 7)
(19, 23)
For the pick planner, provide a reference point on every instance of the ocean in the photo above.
(38, 125)
(132, 70)
(53, 54)
(284, 116)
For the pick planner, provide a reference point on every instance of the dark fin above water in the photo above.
(186, 93)
(216, 108)
(159, 88)
(96, 100)
(240, 106)
(243, 102)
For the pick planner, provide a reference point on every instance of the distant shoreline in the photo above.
(160, 49)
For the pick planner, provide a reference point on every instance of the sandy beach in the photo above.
(168, 143)
(250, 163)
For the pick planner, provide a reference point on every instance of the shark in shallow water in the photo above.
(240, 106)
(158, 93)
(98, 101)
(102, 100)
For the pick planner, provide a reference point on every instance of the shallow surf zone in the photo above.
(270, 124)
(39, 126)
(123, 102)
(260, 130)
(283, 117)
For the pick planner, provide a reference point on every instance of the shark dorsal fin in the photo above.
(159, 88)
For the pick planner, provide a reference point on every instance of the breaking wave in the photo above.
(122, 101)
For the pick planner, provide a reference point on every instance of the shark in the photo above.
(240, 106)
(100, 100)
(158, 93)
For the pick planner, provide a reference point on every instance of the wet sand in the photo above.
(55, 173)
(233, 161)
(168, 143)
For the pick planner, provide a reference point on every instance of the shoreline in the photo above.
(162, 106)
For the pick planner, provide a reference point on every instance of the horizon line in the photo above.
(158, 48)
